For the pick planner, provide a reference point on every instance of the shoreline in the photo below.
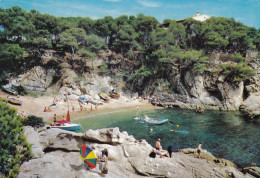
(108, 109)
(35, 106)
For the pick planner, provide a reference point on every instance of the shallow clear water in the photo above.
(224, 134)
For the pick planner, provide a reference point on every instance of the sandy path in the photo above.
(36, 106)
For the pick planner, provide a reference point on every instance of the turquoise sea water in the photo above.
(224, 134)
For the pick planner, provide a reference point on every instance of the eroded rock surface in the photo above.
(56, 154)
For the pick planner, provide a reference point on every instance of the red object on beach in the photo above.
(68, 117)
(65, 121)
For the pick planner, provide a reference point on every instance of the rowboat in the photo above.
(35, 88)
(155, 120)
(95, 102)
(9, 90)
(15, 101)
(103, 96)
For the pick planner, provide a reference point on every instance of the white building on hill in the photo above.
(198, 17)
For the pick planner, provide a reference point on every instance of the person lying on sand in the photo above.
(23, 114)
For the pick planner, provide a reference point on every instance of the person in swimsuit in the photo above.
(158, 144)
(199, 149)
(54, 119)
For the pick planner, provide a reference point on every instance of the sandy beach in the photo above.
(36, 106)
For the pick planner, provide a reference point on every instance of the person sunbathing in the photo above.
(23, 114)
(155, 152)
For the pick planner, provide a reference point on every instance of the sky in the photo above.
(245, 11)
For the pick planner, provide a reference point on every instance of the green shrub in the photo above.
(236, 72)
(80, 78)
(237, 58)
(34, 121)
(103, 69)
(21, 90)
(14, 149)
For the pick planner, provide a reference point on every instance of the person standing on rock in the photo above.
(54, 119)
(103, 161)
(199, 149)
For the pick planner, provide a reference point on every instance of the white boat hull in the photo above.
(67, 126)
(156, 121)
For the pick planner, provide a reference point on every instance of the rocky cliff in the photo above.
(191, 90)
(211, 91)
(56, 154)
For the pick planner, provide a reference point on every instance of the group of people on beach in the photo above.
(47, 109)
(81, 106)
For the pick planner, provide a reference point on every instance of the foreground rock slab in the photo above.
(57, 155)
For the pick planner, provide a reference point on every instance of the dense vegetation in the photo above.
(25, 35)
(14, 148)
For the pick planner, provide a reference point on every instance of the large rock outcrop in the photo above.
(251, 106)
(56, 154)
(37, 76)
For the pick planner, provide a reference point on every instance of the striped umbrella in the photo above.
(88, 155)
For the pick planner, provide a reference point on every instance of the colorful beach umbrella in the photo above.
(88, 155)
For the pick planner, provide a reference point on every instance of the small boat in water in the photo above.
(154, 120)
(15, 101)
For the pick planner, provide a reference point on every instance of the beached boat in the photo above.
(67, 126)
(82, 100)
(9, 90)
(155, 120)
(103, 96)
(53, 106)
(114, 95)
(96, 102)
(35, 88)
(15, 101)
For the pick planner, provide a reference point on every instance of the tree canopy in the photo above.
(34, 32)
